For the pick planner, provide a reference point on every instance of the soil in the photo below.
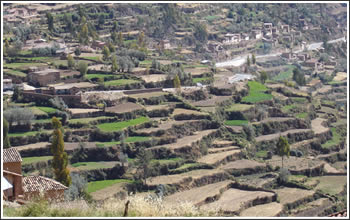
(289, 195)
(276, 135)
(217, 158)
(272, 209)
(124, 107)
(317, 126)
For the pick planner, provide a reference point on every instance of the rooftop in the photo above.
(11, 155)
(40, 183)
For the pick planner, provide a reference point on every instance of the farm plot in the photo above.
(121, 82)
(104, 189)
(124, 107)
(317, 126)
(257, 180)
(116, 126)
(186, 141)
(33, 146)
(156, 107)
(243, 166)
(131, 139)
(222, 149)
(198, 195)
(234, 200)
(179, 111)
(147, 95)
(239, 107)
(14, 73)
(215, 159)
(153, 78)
(336, 138)
(276, 135)
(22, 66)
(341, 76)
(92, 165)
(163, 126)
(70, 146)
(236, 122)
(188, 179)
(256, 93)
(197, 71)
(289, 195)
(214, 100)
(297, 165)
(331, 185)
(87, 120)
(83, 110)
(29, 160)
(273, 119)
(272, 209)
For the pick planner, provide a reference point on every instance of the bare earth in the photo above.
(233, 200)
(178, 111)
(153, 78)
(163, 126)
(217, 158)
(317, 126)
(294, 163)
(290, 195)
(276, 135)
(198, 195)
(212, 102)
(125, 107)
(83, 110)
(266, 210)
(242, 164)
(222, 149)
(33, 146)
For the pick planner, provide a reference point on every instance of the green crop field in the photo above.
(120, 82)
(285, 75)
(47, 109)
(37, 111)
(116, 126)
(165, 161)
(196, 80)
(14, 73)
(261, 153)
(100, 76)
(98, 185)
(335, 139)
(287, 108)
(236, 122)
(97, 58)
(301, 115)
(21, 66)
(256, 94)
(29, 160)
(28, 133)
(211, 18)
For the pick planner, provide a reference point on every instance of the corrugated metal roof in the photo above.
(40, 183)
(11, 155)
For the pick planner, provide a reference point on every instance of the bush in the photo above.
(78, 188)
(283, 176)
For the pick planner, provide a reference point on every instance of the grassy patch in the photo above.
(120, 82)
(330, 184)
(87, 120)
(236, 122)
(93, 165)
(256, 93)
(99, 76)
(211, 17)
(300, 100)
(165, 161)
(21, 66)
(37, 111)
(97, 58)
(28, 133)
(239, 107)
(15, 73)
(98, 185)
(285, 75)
(47, 109)
(186, 166)
(200, 79)
(334, 141)
(301, 115)
(116, 126)
(145, 62)
(287, 108)
(261, 153)
(29, 160)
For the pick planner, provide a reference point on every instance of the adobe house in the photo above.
(51, 189)
(311, 63)
(285, 28)
(26, 188)
(12, 171)
(267, 25)
(288, 55)
(232, 38)
(7, 84)
(164, 45)
(98, 44)
(44, 77)
(71, 88)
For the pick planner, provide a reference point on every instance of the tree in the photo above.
(82, 67)
(115, 66)
(230, 14)
(141, 39)
(49, 21)
(283, 148)
(60, 157)
(248, 61)
(111, 47)
(70, 61)
(84, 35)
(5, 139)
(177, 83)
(106, 53)
(142, 162)
(77, 51)
(201, 33)
(253, 58)
(120, 39)
(17, 94)
(298, 77)
(263, 76)
(114, 37)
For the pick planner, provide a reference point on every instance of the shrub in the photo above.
(283, 176)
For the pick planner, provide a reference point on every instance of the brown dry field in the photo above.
(216, 158)
(33, 146)
(83, 110)
(279, 95)
(179, 111)
(108, 191)
(294, 163)
(340, 76)
(182, 177)
(233, 200)
(330, 169)
(242, 164)
(186, 141)
(75, 145)
(289, 195)
(221, 149)
(302, 143)
(317, 126)
(271, 209)
(124, 107)
(276, 135)
(198, 195)
(164, 126)
(279, 119)
(153, 77)
(197, 71)
(213, 101)
(154, 107)
(147, 95)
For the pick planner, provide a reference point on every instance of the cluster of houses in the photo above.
(20, 15)
(21, 189)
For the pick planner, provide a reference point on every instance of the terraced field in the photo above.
(276, 135)
(124, 107)
(215, 159)
(272, 209)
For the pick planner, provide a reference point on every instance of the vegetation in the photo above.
(29, 160)
(116, 126)
(98, 185)
(5, 137)
(256, 93)
(283, 148)
(236, 122)
(60, 157)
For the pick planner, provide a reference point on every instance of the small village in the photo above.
(203, 109)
